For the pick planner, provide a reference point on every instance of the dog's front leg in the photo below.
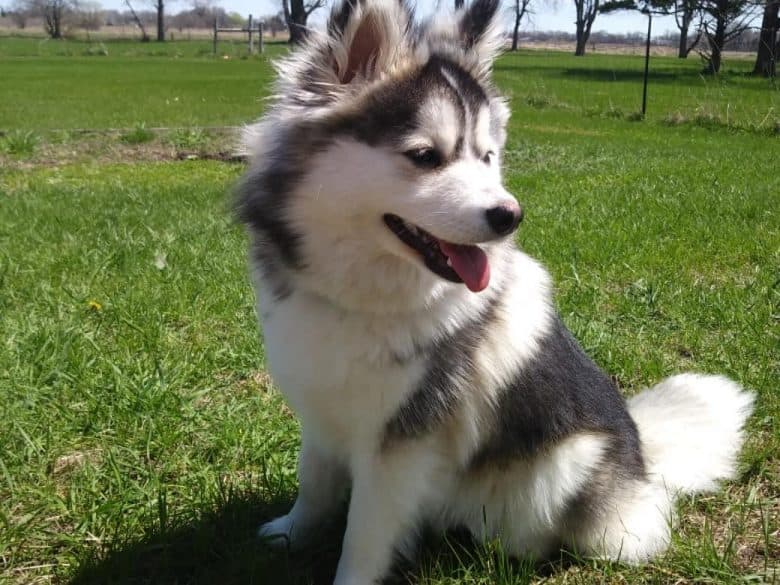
(389, 492)
(322, 485)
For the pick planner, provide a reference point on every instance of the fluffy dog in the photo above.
(420, 348)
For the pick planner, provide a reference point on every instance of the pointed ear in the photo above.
(367, 38)
(481, 30)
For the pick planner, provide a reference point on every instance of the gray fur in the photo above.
(560, 393)
(450, 372)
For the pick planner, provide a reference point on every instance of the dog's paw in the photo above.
(277, 532)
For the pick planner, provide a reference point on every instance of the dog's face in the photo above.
(377, 174)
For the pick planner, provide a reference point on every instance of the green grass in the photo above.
(611, 86)
(141, 440)
(179, 83)
(128, 87)
(19, 143)
(138, 135)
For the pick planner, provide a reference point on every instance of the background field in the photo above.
(141, 441)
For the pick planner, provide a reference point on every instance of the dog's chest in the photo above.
(337, 370)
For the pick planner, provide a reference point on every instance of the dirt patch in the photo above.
(60, 148)
(70, 462)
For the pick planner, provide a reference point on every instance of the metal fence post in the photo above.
(647, 63)
(249, 29)
(215, 36)
(260, 45)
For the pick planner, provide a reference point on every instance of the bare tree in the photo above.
(586, 14)
(53, 13)
(87, 15)
(159, 6)
(296, 14)
(769, 41)
(459, 4)
(685, 12)
(275, 24)
(724, 20)
(138, 21)
(521, 9)
(19, 12)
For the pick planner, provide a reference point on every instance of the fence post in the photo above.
(647, 64)
(249, 28)
(260, 46)
(215, 36)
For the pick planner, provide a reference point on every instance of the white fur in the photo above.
(691, 428)
(524, 504)
(351, 239)
(343, 345)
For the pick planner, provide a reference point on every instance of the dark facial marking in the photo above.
(390, 113)
(469, 90)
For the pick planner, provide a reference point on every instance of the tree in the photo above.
(87, 15)
(769, 41)
(521, 9)
(685, 12)
(275, 24)
(586, 14)
(296, 14)
(724, 20)
(459, 4)
(53, 13)
(139, 22)
(159, 6)
(19, 13)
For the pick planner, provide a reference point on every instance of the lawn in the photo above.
(142, 441)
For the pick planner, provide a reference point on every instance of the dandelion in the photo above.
(94, 306)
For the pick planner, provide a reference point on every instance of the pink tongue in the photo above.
(470, 263)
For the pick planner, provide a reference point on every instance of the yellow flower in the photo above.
(94, 306)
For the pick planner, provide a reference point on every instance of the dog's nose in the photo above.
(504, 218)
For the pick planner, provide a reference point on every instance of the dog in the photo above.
(435, 383)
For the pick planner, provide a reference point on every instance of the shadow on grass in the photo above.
(606, 74)
(219, 547)
(660, 75)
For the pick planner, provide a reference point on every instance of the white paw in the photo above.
(277, 532)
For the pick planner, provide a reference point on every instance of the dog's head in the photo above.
(375, 176)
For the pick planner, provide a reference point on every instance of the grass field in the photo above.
(141, 440)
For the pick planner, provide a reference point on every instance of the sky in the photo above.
(548, 15)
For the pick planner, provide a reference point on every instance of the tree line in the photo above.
(716, 22)
(707, 26)
(57, 16)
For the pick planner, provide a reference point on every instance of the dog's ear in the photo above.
(367, 37)
(480, 29)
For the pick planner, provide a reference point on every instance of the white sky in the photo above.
(549, 15)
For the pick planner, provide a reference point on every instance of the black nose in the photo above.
(504, 219)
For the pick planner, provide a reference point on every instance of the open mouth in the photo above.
(461, 263)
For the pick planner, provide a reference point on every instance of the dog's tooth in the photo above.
(449, 262)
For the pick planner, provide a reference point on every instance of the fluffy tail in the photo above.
(691, 428)
(691, 432)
